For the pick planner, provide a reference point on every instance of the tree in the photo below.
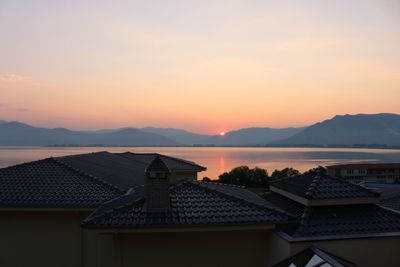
(245, 176)
(286, 172)
(320, 169)
(207, 179)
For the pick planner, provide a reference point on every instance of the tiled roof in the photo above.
(192, 204)
(336, 222)
(172, 163)
(392, 203)
(366, 166)
(50, 184)
(124, 170)
(84, 180)
(119, 171)
(284, 203)
(312, 256)
(314, 185)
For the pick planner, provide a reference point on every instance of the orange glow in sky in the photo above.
(249, 63)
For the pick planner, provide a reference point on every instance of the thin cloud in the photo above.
(22, 109)
(11, 77)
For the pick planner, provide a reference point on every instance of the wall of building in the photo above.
(179, 176)
(213, 248)
(41, 238)
(366, 174)
(278, 249)
(366, 252)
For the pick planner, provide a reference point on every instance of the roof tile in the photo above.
(314, 185)
(192, 204)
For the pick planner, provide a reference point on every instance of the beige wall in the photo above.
(229, 248)
(178, 176)
(366, 252)
(41, 238)
(278, 249)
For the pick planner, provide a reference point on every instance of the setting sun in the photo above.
(222, 133)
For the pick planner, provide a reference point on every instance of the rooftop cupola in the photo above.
(318, 189)
(157, 186)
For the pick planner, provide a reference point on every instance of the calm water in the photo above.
(218, 160)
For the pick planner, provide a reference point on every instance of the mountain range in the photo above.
(341, 130)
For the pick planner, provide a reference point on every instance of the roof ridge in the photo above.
(181, 160)
(223, 184)
(356, 185)
(113, 208)
(87, 175)
(24, 163)
(265, 208)
(303, 220)
(313, 186)
(134, 159)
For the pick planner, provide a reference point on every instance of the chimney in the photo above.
(157, 186)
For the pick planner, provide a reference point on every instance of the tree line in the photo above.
(255, 177)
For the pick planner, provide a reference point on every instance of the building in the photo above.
(337, 217)
(43, 203)
(105, 209)
(187, 223)
(367, 172)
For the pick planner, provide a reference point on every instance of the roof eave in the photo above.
(291, 239)
(183, 228)
(50, 209)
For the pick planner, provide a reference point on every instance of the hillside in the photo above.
(20, 134)
(252, 136)
(361, 129)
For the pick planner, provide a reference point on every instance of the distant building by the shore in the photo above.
(367, 172)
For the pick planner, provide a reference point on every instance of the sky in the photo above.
(204, 66)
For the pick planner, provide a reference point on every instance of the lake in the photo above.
(221, 159)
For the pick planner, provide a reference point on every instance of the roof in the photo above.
(313, 256)
(193, 203)
(123, 170)
(49, 183)
(366, 166)
(284, 203)
(119, 171)
(349, 221)
(390, 198)
(314, 185)
(336, 221)
(77, 181)
(392, 203)
(173, 164)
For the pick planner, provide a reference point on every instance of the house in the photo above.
(337, 217)
(329, 220)
(43, 203)
(105, 209)
(184, 223)
(366, 172)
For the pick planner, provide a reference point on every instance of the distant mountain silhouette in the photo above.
(20, 134)
(361, 129)
(342, 130)
(252, 136)
(178, 135)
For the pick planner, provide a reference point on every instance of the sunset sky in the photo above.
(205, 66)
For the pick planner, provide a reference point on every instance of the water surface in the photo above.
(221, 159)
